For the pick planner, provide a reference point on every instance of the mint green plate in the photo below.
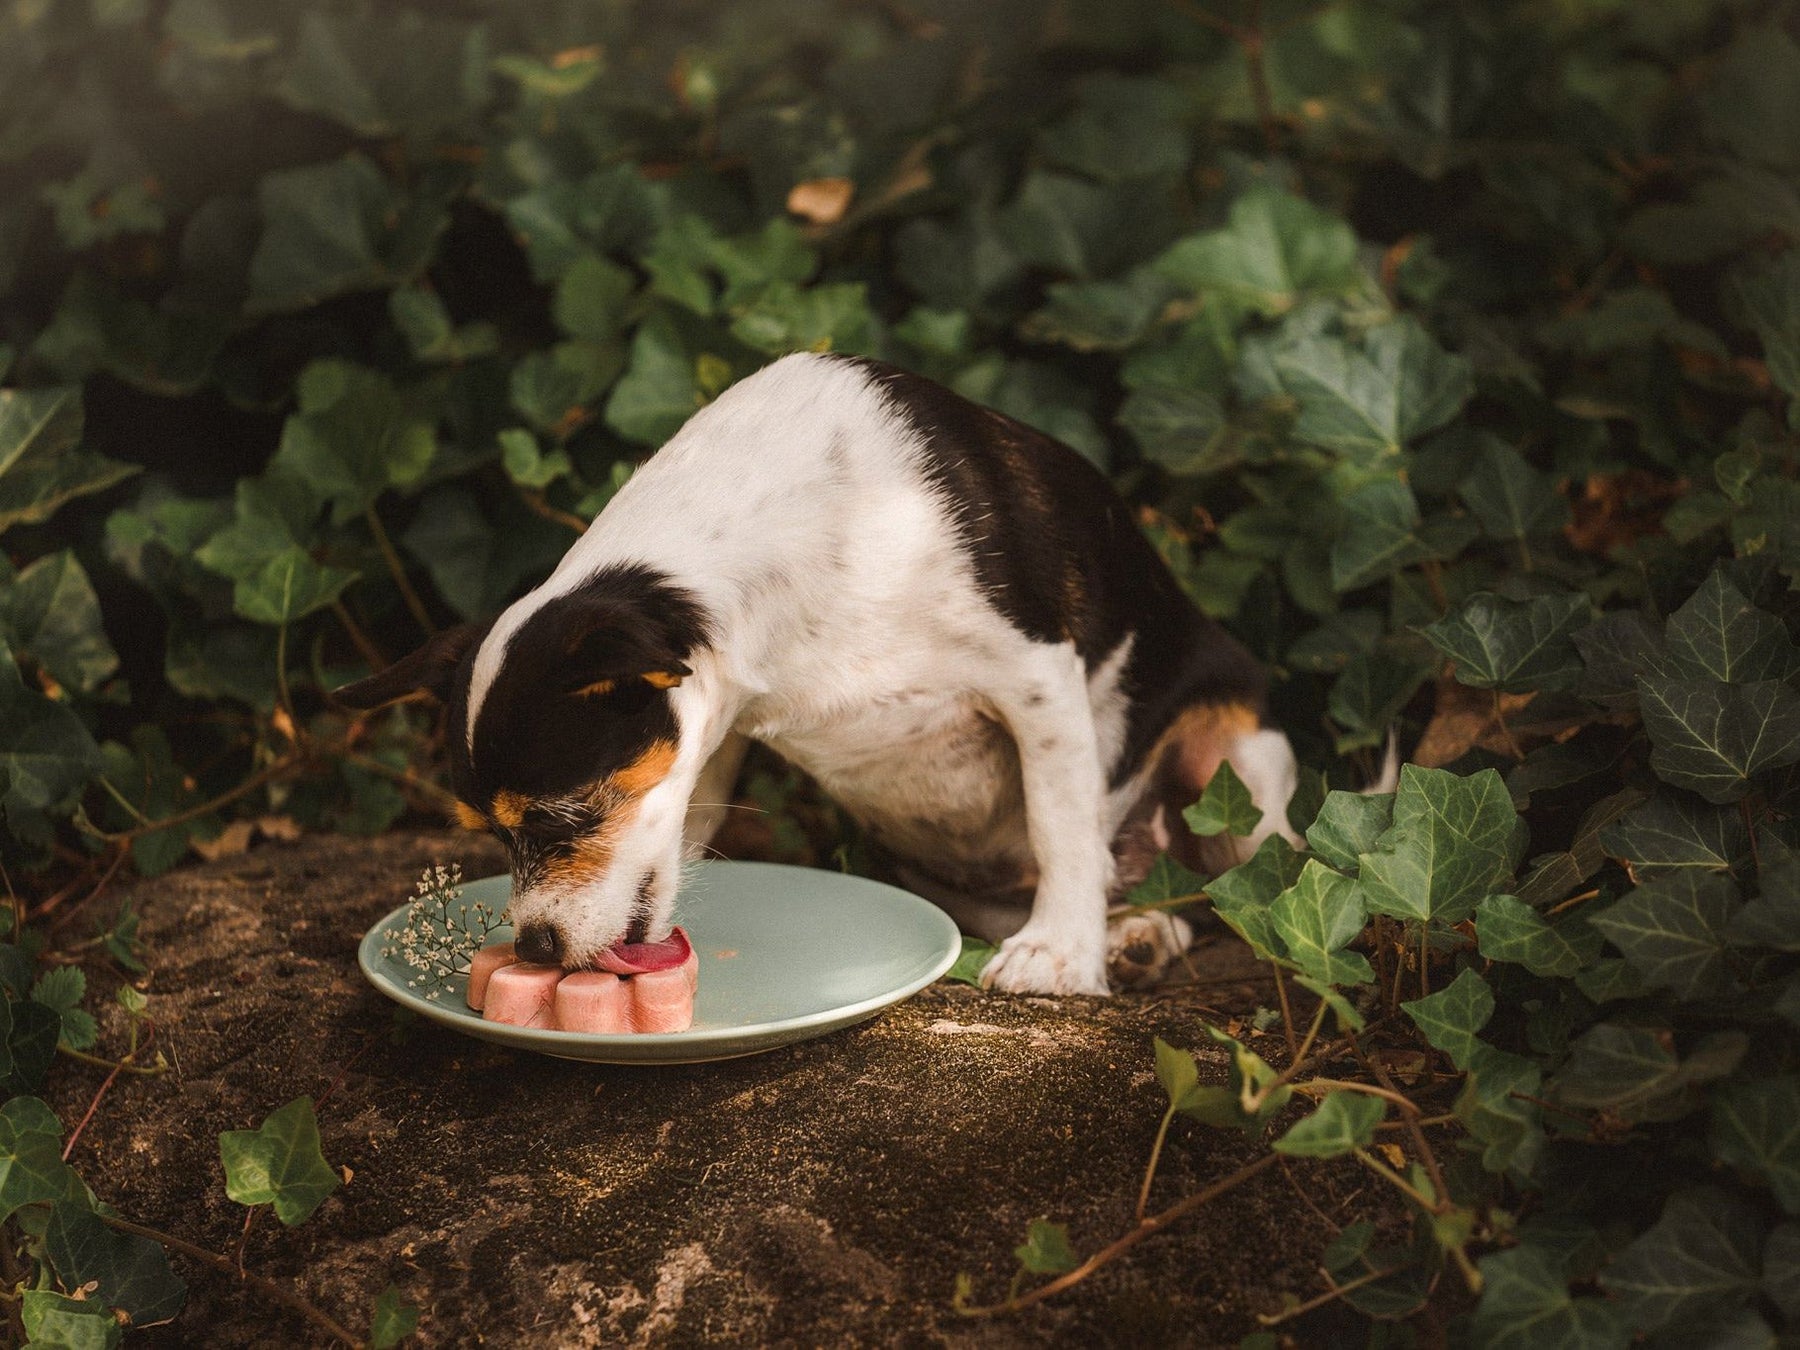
(786, 953)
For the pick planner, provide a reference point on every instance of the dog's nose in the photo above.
(539, 943)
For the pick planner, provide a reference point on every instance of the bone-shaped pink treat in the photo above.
(642, 987)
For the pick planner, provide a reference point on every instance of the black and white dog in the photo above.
(948, 619)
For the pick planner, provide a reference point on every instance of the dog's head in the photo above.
(564, 729)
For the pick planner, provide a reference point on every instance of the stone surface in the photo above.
(825, 1194)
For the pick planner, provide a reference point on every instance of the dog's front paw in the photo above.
(1032, 963)
(1141, 947)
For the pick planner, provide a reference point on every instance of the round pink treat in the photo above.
(593, 1001)
(482, 965)
(522, 995)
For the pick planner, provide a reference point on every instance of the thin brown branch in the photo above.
(1117, 1248)
(397, 570)
(1331, 1295)
(541, 505)
(289, 1298)
(365, 647)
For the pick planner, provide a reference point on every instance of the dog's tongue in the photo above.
(640, 958)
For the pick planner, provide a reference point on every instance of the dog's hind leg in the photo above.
(1062, 947)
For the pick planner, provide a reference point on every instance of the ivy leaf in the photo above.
(1712, 737)
(1367, 699)
(1556, 875)
(392, 1321)
(279, 1163)
(46, 754)
(1673, 831)
(1617, 648)
(1183, 430)
(1225, 807)
(1342, 1122)
(324, 230)
(784, 317)
(1383, 532)
(1507, 929)
(1369, 404)
(29, 1032)
(1315, 917)
(1493, 1106)
(552, 388)
(658, 391)
(1274, 247)
(50, 610)
(132, 1273)
(1347, 826)
(1771, 920)
(1526, 1305)
(353, 437)
(31, 1167)
(1511, 499)
(1099, 315)
(56, 1322)
(381, 74)
(591, 296)
(1635, 1073)
(1698, 1259)
(1718, 634)
(1166, 880)
(1756, 1126)
(1242, 896)
(973, 960)
(1046, 1249)
(1253, 1083)
(1179, 1075)
(1672, 931)
(42, 464)
(1453, 841)
(61, 990)
(1513, 646)
(288, 587)
(1768, 297)
(1451, 1018)
(147, 776)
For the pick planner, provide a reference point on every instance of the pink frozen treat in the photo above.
(482, 965)
(594, 1001)
(522, 995)
(663, 1000)
(643, 986)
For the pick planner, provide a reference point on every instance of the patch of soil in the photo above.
(826, 1193)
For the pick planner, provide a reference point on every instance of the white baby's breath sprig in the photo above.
(442, 931)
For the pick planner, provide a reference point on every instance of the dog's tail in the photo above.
(1389, 777)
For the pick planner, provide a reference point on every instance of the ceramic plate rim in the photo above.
(670, 1047)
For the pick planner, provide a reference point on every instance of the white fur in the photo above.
(854, 639)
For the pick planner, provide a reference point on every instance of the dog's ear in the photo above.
(606, 646)
(426, 671)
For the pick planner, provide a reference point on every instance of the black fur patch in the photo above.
(536, 735)
(1059, 555)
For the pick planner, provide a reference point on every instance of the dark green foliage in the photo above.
(1452, 349)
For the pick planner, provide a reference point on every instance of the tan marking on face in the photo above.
(644, 772)
(596, 689)
(468, 817)
(661, 679)
(509, 808)
(593, 853)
